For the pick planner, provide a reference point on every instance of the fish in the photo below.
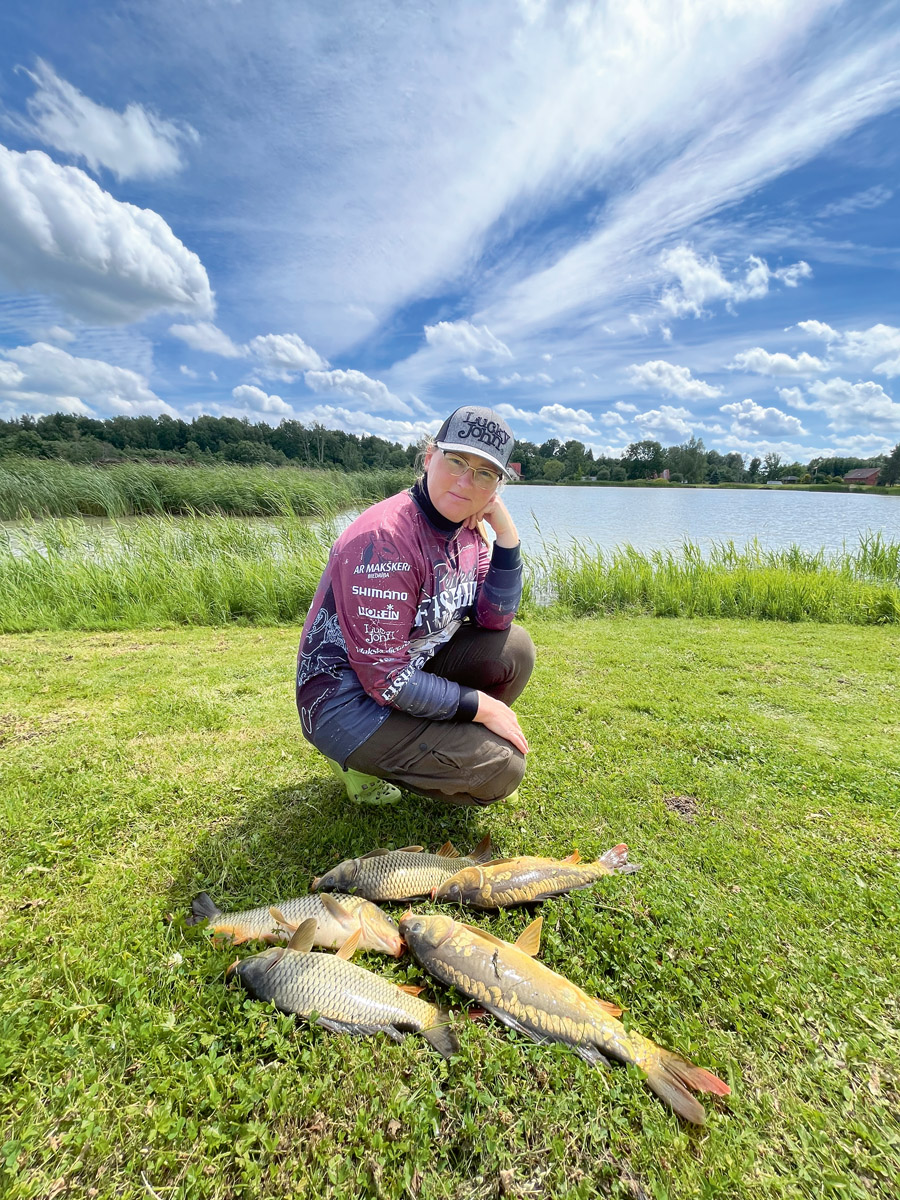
(504, 979)
(339, 995)
(336, 918)
(399, 874)
(507, 882)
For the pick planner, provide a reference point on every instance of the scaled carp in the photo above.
(504, 979)
(345, 998)
(506, 882)
(336, 916)
(399, 874)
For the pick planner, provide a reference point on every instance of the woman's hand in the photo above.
(499, 718)
(496, 514)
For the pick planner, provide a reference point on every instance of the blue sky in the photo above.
(611, 221)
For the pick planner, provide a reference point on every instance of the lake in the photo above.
(657, 519)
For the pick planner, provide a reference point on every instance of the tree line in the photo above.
(209, 439)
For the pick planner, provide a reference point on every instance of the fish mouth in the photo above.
(230, 969)
(316, 880)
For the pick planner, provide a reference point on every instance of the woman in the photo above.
(409, 659)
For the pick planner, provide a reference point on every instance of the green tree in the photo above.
(890, 472)
(554, 469)
(772, 465)
(687, 462)
(643, 459)
(753, 469)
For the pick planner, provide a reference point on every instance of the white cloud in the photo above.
(611, 418)
(541, 377)
(257, 400)
(134, 144)
(188, 372)
(283, 353)
(568, 422)
(56, 333)
(665, 424)
(624, 407)
(364, 423)
(818, 329)
(670, 380)
(851, 404)
(48, 379)
(356, 385)
(516, 414)
(208, 338)
(793, 396)
(762, 363)
(475, 375)
(878, 347)
(700, 281)
(104, 260)
(749, 418)
(462, 337)
(872, 197)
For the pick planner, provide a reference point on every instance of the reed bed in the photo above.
(31, 488)
(159, 571)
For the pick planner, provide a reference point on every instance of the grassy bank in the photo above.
(214, 571)
(752, 769)
(37, 488)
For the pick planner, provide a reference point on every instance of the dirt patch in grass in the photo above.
(685, 806)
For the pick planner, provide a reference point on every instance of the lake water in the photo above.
(656, 519)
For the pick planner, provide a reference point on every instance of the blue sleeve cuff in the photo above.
(507, 558)
(468, 705)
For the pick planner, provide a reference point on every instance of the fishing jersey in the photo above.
(399, 582)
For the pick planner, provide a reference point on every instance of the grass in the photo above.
(751, 767)
(72, 574)
(37, 488)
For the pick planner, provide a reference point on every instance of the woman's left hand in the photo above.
(496, 514)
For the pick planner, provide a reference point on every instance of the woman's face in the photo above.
(456, 497)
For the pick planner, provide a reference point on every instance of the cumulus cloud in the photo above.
(878, 347)
(462, 337)
(749, 418)
(364, 423)
(762, 363)
(357, 386)
(671, 380)
(134, 144)
(283, 353)
(850, 404)
(105, 261)
(188, 372)
(699, 282)
(257, 400)
(47, 379)
(475, 375)
(516, 414)
(207, 337)
(666, 424)
(569, 422)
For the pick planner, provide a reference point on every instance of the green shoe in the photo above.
(364, 789)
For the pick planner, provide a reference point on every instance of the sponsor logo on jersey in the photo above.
(379, 614)
(379, 593)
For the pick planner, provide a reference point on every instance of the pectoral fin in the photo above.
(574, 857)
(349, 947)
(378, 853)
(529, 940)
(336, 910)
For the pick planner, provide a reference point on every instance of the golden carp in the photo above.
(506, 882)
(336, 916)
(345, 998)
(504, 979)
(399, 874)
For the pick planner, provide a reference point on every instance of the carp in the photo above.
(505, 980)
(345, 998)
(399, 874)
(336, 918)
(507, 882)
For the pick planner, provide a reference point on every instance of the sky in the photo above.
(607, 221)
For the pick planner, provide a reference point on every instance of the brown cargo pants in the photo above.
(459, 763)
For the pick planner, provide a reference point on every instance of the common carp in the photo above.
(336, 918)
(345, 998)
(506, 882)
(504, 979)
(399, 874)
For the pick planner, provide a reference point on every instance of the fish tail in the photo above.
(440, 1035)
(671, 1076)
(616, 860)
(203, 908)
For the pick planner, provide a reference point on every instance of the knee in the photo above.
(520, 651)
(502, 782)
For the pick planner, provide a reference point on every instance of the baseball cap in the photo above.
(481, 431)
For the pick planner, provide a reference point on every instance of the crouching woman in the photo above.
(409, 659)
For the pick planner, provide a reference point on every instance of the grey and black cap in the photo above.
(478, 430)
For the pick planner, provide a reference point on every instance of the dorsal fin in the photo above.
(612, 1009)
(482, 851)
(529, 940)
(483, 933)
(349, 947)
(410, 849)
(303, 936)
(448, 850)
(335, 909)
(574, 857)
(411, 989)
(374, 853)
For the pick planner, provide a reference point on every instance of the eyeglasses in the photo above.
(481, 476)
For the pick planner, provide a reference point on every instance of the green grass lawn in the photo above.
(753, 769)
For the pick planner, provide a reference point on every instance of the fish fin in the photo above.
(607, 1006)
(591, 1055)
(376, 853)
(203, 908)
(670, 1079)
(303, 936)
(529, 940)
(361, 1030)
(617, 860)
(335, 909)
(482, 852)
(448, 850)
(404, 850)
(483, 933)
(441, 1035)
(411, 989)
(574, 857)
(476, 1012)
(350, 946)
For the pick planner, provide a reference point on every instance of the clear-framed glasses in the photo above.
(483, 478)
